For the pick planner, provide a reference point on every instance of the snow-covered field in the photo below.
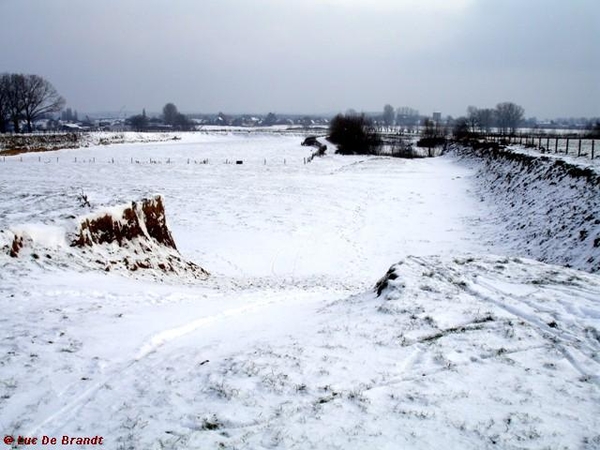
(287, 345)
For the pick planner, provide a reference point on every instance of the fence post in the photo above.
(539, 142)
(579, 149)
(567, 149)
(547, 144)
(556, 145)
(593, 149)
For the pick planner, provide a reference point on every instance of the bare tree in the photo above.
(4, 109)
(139, 122)
(39, 98)
(462, 128)
(473, 119)
(479, 119)
(183, 123)
(432, 135)
(15, 99)
(485, 119)
(170, 114)
(389, 115)
(26, 97)
(271, 119)
(407, 116)
(509, 116)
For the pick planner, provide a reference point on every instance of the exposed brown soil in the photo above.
(145, 219)
(142, 227)
(16, 246)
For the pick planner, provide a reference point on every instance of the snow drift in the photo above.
(546, 207)
(457, 352)
(130, 236)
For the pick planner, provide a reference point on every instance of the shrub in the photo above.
(461, 129)
(432, 135)
(354, 135)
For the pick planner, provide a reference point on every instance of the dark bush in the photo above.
(432, 135)
(310, 141)
(354, 135)
(430, 142)
(461, 130)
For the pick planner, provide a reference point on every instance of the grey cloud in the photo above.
(309, 56)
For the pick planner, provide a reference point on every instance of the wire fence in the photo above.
(565, 145)
(150, 161)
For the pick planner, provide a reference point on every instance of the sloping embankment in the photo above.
(15, 144)
(547, 208)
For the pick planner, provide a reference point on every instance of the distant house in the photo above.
(118, 125)
(71, 127)
(43, 124)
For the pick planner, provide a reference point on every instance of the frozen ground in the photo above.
(272, 216)
(287, 345)
(546, 207)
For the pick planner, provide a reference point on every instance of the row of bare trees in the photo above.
(506, 117)
(26, 98)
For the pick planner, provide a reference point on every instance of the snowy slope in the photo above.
(544, 207)
(455, 353)
(287, 344)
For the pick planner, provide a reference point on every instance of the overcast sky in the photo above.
(310, 56)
